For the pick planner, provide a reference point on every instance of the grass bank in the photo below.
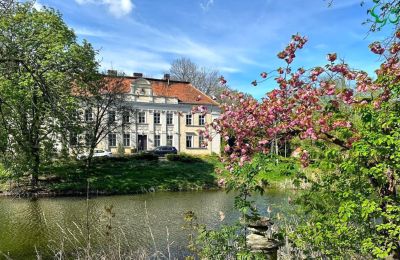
(128, 175)
(115, 176)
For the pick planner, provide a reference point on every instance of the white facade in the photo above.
(148, 124)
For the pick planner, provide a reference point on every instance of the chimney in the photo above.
(167, 76)
(137, 74)
(112, 72)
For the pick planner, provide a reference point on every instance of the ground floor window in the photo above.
(127, 140)
(112, 139)
(201, 142)
(170, 139)
(189, 141)
(157, 141)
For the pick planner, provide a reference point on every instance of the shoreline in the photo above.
(82, 194)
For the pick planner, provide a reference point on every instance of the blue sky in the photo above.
(239, 38)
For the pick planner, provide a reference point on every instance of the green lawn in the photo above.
(133, 176)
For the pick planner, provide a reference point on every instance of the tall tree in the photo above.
(102, 111)
(39, 61)
(206, 80)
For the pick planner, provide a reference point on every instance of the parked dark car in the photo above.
(164, 150)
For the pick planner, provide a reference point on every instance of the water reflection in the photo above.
(25, 224)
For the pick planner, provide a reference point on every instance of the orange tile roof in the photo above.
(183, 91)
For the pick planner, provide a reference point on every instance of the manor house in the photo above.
(161, 115)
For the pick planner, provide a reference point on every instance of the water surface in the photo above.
(26, 224)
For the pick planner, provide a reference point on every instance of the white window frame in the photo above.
(170, 118)
(88, 115)
(189, 141)
(201, 140)
(202, 119)
(157, 140)
(126, 139)
(112, 116)
(157, 119)
(170, 140)
(189, 119)
(125, 115)
(144, 117)
(110, 139)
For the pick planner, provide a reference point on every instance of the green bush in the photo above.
(111, 159)
(145, 156)
(182, 157)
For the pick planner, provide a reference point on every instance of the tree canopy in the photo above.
(40, 59)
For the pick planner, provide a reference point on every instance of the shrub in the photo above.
(120, 150)
(145, 156)
(182, 157)
(111, 159)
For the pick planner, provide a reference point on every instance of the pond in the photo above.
(29, 224)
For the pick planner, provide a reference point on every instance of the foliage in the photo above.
(39, 61)
(147, 156)
(349, 131)
(182, 157)
(120, 150)
(228, 242)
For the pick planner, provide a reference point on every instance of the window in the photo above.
(157, 141)
(88, 115)
(111, 117)
(156, 118)
(73, 139)
(125, 117)
(142, 117)
(112, 139)
(189, 141)
(127, 140)
(75, 115)
(170, 139)
(170, 119)
(202, 120)
(88, 139)
(201, 142)
(188, 119)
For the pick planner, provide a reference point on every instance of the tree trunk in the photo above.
(34, 138)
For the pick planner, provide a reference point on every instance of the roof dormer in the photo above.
(141, 87)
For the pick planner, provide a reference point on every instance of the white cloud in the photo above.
(89, 32)
(117, 8)
(229, 69)
(37, 5)
(206, 5)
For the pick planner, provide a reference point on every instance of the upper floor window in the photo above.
(73, 138)
(156, 118)
(125, 117)
(170, 119)
(88, 139)
(142, 117)
(202, 120)
(111, 117)
(188, 119)
(88, 115)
